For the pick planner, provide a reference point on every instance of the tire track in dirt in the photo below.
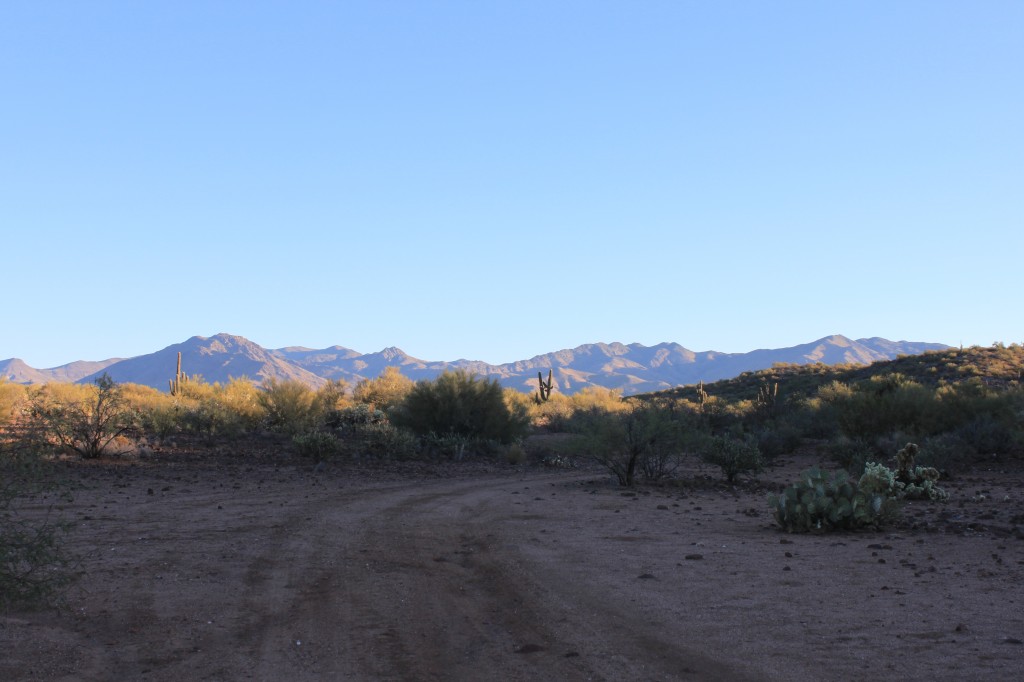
(322, 578)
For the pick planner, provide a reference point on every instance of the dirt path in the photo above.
(264, 573)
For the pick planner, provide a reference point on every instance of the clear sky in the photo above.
(495, 180)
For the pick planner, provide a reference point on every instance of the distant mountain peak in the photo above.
(393, 353)
(632, 368)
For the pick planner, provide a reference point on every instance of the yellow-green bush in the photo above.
(385, 391)
(288, 405)
(13, 399)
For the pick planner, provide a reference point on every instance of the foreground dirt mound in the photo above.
(233, 570)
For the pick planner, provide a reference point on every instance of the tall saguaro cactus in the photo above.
(702, 396)
(767, 398)
(544, 390)
(179, 379)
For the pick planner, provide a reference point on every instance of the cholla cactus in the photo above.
(917, 483)
(905, 461)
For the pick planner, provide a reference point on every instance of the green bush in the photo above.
(885, 404)
(383, 440)
(459, 405)
(734, 456)
(629, 440)
(317, 445)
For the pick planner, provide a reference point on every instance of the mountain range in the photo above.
(632, 368)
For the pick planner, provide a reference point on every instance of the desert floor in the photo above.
(235, 567)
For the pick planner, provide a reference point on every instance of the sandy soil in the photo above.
(226, 568)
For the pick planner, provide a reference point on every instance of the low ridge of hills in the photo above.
(632, 368)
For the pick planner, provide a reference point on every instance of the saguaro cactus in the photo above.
(179, 379)
(544, 390)
(702, 396)
(767, 398)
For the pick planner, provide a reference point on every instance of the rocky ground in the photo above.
(240, 566)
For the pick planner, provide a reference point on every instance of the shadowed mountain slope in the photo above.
(217, 358)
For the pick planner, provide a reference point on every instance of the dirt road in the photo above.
(283, 573)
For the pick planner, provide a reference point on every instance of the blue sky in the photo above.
(492, 181)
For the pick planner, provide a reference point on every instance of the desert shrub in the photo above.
(885, 404)
(820, 501)
(660, 463)
(35, 566)
(366, 431)
(945, 451)
(629, 440)
(459, 405)
(385, 440)
(598, 398)
(733, 455)
(781, 439)
(850, 453)
(288, 405)
(358, 415)
(814, 418)
(214, 411)
(446, 445)
(986, 434)
(218, 411)
(549, 447)
(330, 399)
(553, 415)
(156, 411)
(515, 453)
(317, 445)
(240, 406)
(384, 392)
(93, 423)
(13, 399)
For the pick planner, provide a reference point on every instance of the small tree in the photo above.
(91, 426)
(632, 439)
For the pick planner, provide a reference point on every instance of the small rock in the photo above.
(1012, 640)
(694, 557)
(529, 649)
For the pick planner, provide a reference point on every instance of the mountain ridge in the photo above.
(631, 368)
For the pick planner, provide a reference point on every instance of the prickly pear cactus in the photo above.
(820, 501)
